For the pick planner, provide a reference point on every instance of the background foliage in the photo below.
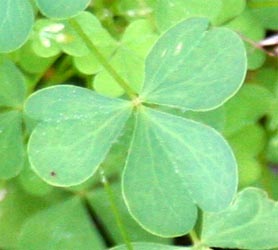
(138, 125)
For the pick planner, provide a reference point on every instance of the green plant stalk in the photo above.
(115, 211)
(122, 83)
(194, 238)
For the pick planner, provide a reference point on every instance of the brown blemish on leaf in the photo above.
(53, 174)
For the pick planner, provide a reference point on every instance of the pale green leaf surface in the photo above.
(64, 148)
(229, 10)
(250, 139)
(15, 23)
(214, 118)
(11, 144)
(31, 62)
(272, 149)
(172, 157)
(267, 77)
(266, 11)
(248, 143)
(31, 183)
(132, 50)
(134, 10)
(15, 209)
(249, 223)
(150, 179)
(150, 246)
(62, 226)
(88, 64)
(92, 27)
(191, 67)
(124, 62)
(52, 37)
(61, 8)
(45, 37)
(246, 107)
(251, 29)
(12, 85)
(99, 200)
(170, 12)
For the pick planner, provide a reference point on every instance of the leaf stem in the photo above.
(122, 83)
(194, 238)
(115, 211)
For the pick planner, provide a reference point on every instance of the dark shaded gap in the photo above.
(183, 241)
(109, 242)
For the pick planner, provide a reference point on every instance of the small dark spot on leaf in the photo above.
(53, 173)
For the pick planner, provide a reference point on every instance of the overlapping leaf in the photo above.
(15, 24)
(133, 48)
(62, 226)
(250, 104)
(53, 36)
(61, 8)
(16, 207)
(12, 94)
(251, 29)
(266, 11)
(170, 12)
(12, 85)
(99, 200)
(248, 144)
(250, 223)
(65, 147)
(229, 10)
(11, 144)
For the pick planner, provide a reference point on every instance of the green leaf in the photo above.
(99, 200)
(31, 183)
(135, 9)
(249, 223)
(251, 29)
(47, 37)
(230, 9)
(194, 67)
(214, 118)
(31, 62)
(170, 12)
(133, 47)
(15, 207)
(173, 162)
(62, 226)
(266, 11)
(15, 24)
(150, 246)
(12, 85)
(65, 149)
(61, 9)
(84, 60)
(248, 143)
(272, 149)
(247, 107)
(11, 144)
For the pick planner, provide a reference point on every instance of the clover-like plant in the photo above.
(174, 165)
